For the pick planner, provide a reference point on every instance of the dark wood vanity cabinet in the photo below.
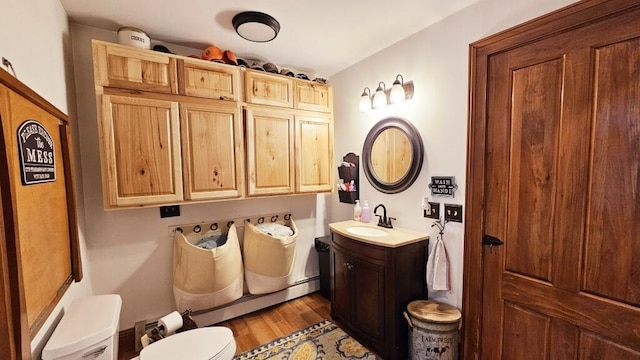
(371, 286)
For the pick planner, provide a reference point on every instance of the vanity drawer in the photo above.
(357, 248)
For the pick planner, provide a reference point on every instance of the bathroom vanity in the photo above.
(375, 273)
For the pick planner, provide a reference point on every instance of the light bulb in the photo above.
(365, 100)
(380, 98)
(397, 94)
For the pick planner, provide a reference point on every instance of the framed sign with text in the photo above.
(37, 153)
(443, 186)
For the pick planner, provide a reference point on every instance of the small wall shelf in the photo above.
(348, 173)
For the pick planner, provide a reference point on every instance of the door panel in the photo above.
(562, 191)
(612, 257)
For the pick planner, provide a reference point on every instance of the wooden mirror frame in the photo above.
(417, 150)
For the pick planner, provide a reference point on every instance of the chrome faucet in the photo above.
(382, 219)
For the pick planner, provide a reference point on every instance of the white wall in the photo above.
(436, 59)
(34, 36)
(129, 250)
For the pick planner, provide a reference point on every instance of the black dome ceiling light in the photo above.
(256, 26)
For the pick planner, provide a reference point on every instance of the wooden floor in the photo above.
(264, 326)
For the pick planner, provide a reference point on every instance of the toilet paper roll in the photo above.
(145, 341)
(170, 323)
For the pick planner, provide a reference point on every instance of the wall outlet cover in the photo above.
(169, 211)
(453, 212)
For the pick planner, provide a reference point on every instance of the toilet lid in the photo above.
(203, 343)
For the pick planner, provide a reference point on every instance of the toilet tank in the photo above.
(88, 330)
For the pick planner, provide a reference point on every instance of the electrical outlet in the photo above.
(432, 211)
(169, 211)
(453, 212)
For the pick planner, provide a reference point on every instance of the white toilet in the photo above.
(89, 330)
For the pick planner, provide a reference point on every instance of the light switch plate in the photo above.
(432, 211)
(453, 212)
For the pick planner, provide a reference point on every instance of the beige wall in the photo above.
(34, 36)
(128, 252)
(436, 59)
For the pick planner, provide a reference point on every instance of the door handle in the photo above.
(491, 240)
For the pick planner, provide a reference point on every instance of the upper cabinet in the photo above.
(174, 129)
(122, 66)
(208, 80)
(212, 151)
(140, 151)
(313, 96)
(263, 88)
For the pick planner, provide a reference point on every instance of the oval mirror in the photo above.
(392, 155)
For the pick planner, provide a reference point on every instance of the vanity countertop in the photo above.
(395, 237)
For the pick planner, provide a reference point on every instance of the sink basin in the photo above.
(367, 231)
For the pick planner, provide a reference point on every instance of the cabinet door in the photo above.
(140, 151)
(266, 89)
(312, 96)
(368, 295)
(129, 68)
(212, 151)
(314, 154)
(341, 285)
(208, 79)
(269, 151)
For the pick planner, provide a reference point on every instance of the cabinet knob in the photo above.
(348, 265)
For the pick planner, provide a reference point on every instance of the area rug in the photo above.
(322, 341)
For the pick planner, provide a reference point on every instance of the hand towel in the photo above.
(438, 267)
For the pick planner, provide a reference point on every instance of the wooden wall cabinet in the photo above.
(371, 286)
(125, 67)
(212, 150)
(140, 151)
(288, 152)
(313, 96)
(263, 88)
(172, 130)
(208, 80)
(314, 153)
(270, 150)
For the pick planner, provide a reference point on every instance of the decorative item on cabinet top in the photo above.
(348, 172)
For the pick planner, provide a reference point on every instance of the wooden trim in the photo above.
(67, 155)
(14, 84)
(562, 20)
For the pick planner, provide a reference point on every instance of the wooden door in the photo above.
(270, 162)
(267, 89)
(314, 154)
(140, 146)
(340, 284)
(208, 80)
(554, 169)
(309, 95)
(212, 151)
(368, 296)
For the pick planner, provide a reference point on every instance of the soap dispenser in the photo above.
(366, 212)
(357, 211)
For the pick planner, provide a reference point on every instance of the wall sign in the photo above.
(443, 186)
(37, 153)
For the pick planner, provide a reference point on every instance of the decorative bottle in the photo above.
(366, 212)
(357, 211)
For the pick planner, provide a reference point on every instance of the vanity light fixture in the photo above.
(256, 26)
(365, 100)
(399, 92)
(380, 97)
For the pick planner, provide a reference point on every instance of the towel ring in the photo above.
(214, 226)
(179, 230)
(274, 218)
(230, 223)
(287, 217)
(197, 229)
(261, 220)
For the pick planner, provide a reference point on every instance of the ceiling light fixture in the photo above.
(256, 26)
(399, 92)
